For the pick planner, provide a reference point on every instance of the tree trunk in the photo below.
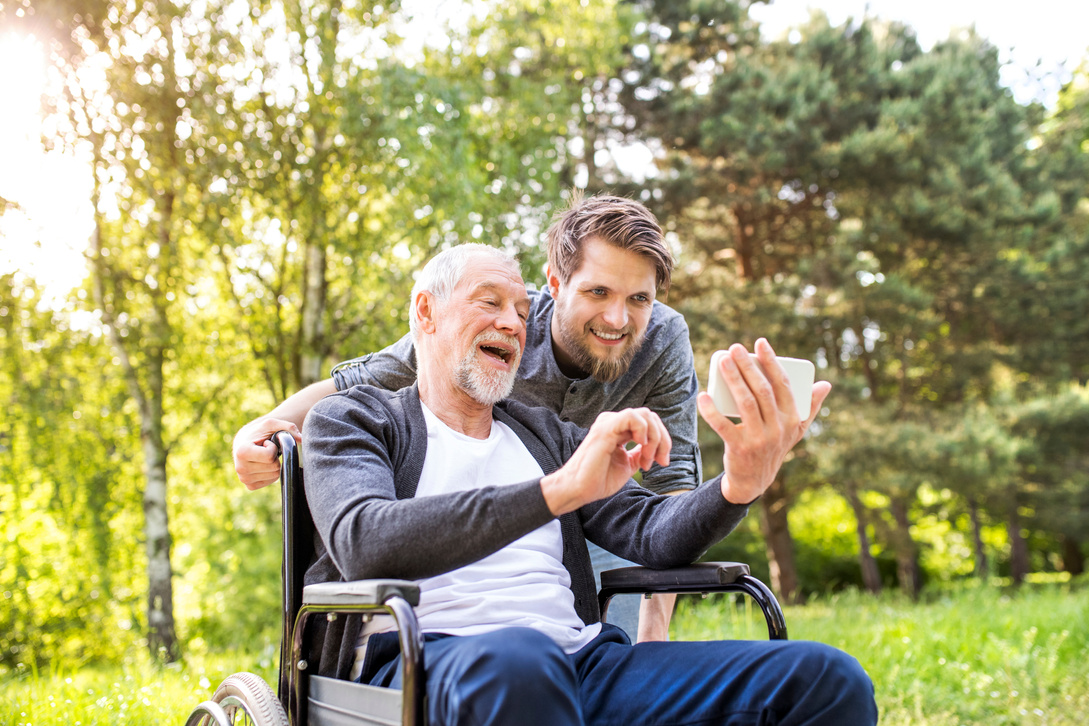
(162, 640)
(780, 545)
(313, 313)
(589, 137)
(871, 577)
(907, 556)
(1019, 561)
(982, 566)
(1073, 559)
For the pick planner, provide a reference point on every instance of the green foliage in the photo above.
(69, 578)
(134, 691)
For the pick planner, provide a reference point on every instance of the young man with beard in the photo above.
(508, 495)
(597, 341)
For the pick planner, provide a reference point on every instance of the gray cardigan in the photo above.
(364, 451)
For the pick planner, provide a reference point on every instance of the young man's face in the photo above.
(602, 312)
(483, 330)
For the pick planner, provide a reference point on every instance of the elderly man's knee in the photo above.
(837, 682)
(515, 675)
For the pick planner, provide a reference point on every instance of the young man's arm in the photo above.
(255, 457)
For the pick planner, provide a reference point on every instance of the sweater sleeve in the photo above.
(354, 443)
(673, 398)
(659, 531)
(391, 368)
(650, 529)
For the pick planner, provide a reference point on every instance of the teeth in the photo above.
(608, 336)
(498, 352)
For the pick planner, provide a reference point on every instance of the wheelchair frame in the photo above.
(304, 699)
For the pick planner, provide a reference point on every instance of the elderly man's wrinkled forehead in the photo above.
(486, 271)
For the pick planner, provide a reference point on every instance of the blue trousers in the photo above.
(623, 609)
(519, 677)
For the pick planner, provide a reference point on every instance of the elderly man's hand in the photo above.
(255, 455)
(602, 463)
(769, 427)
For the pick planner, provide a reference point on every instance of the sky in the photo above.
(1043, 41)
(1053, 33)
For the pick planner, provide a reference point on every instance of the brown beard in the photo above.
(602, 370)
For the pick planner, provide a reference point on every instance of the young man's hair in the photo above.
(623, 223)
(444, 271)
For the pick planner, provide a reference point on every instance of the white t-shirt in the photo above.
(524, 584)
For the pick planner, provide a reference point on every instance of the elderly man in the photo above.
(487, 502)
(597, 340)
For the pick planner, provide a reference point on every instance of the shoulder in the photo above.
(666, 320)
(666, 337)
(540, 305)
(366, 405)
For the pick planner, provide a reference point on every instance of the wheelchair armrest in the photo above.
(701, 577)
(360, 592)
(699, 574)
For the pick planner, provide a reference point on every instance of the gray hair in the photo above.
(444, 271)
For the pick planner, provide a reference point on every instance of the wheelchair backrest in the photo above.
(298, 544)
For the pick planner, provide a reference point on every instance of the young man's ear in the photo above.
(553, 281)
(424, 305)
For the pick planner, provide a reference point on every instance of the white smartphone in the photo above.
(800, 374)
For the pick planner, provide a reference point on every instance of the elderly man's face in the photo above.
(603, 311)
(483, 327)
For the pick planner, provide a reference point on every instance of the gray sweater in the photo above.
(364, 451)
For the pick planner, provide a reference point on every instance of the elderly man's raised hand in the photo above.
(602, 463)
(757, 445)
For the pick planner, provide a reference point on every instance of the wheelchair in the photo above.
(244, 698)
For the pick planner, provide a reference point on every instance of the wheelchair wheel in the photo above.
(247, 699)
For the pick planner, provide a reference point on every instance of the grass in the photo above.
(974, 655)
(135, 692)
(970, 655)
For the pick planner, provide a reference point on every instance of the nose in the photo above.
(508, 319)
(615, 314)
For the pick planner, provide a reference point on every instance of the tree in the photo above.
(126, 89)
(750, 181)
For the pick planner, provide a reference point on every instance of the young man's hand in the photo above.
(256, 459)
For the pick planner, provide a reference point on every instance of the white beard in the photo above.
(484, 384)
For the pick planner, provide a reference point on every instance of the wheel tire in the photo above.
(247, 699)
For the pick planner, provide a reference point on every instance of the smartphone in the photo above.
(800, 375)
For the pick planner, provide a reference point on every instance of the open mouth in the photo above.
(494, 351)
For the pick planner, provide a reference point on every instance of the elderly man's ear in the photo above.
(425, 312)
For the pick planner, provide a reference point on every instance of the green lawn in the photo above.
(971, 656)
(975, 655)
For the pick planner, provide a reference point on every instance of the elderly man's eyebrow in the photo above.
(488, 285)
